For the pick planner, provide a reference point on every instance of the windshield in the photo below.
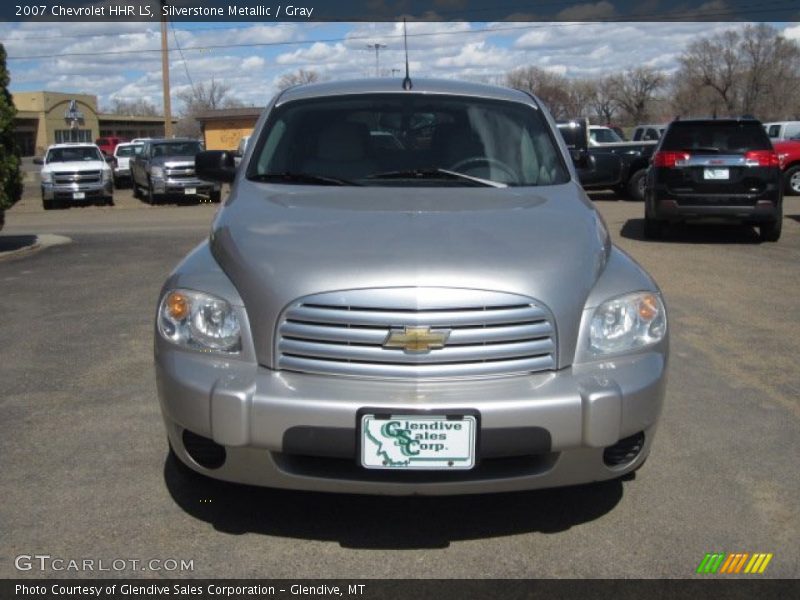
(133, 150)
(408, 139)
(176, 149)
(77, 153)
(604, 136)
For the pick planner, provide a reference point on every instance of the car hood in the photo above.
(278, 243)
(77, 165)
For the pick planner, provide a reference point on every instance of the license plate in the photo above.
(78, 195)
(190, 191)
(716, 174)
(418, 442)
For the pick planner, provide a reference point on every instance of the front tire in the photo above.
(152, 197)
(216, 197)
(770, 232)
(48, 204)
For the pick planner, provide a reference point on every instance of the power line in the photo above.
(549, 25)
(183, 58)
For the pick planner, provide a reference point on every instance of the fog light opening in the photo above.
(205, 452)
(624, 451)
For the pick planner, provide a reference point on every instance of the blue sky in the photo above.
(120, 60)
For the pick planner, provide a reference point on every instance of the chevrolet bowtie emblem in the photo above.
(417, 339)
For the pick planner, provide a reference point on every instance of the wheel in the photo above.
(473, 161)
(48, 204)
(135, 189)
(770, 232)
(653, 228)
(636, 185)
(216, 197)
(151, 196)
(792, 179)
(108, 200)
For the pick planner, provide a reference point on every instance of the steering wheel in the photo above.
(474, 161)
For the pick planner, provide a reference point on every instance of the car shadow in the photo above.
(694, 233)
(385, 522)
(793, 217)
(10, 243)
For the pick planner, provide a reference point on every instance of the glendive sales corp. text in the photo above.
(183, 590)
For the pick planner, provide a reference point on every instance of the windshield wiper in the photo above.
(290, 177)
(436, 174)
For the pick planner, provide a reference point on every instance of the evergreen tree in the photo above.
(10, 176)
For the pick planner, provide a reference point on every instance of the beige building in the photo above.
(224, 128)
(45, 118)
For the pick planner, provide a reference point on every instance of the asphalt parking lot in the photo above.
(83, 461)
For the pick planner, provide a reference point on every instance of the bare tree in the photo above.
(635, 90)
(136, 108)
(299, 77)
(753, 71)
(602, 102)
(201, 98)
(551, 88)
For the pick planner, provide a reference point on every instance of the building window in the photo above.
(73, 135)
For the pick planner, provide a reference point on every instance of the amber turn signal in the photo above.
(648, 307)
(177, 306)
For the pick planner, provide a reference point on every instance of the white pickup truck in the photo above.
(75, 173)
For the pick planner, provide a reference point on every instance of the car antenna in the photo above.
(407, 85)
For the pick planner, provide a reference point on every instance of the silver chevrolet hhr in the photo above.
(408, 292)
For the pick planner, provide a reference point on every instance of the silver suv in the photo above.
(408, 292)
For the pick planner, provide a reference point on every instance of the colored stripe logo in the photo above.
(734, 563)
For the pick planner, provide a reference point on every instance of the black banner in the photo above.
(392, 10)
(424, 589)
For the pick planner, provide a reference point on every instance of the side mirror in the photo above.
(217, 166)
(109, 159)
(38, 160)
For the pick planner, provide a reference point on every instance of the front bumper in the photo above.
(68, 191)
(291, 430)
(184, 186)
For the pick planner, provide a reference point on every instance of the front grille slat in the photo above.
(343, 333)
(448, 354)
(76, 177)
(432, 318)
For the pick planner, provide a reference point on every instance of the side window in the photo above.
(791, 130)
(273, 139)
(774, 131)
(637, 135)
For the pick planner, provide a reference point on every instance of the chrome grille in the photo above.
(179, 172)
(343, 333)
(63, 177)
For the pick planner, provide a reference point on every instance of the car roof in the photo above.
(169, 140)
(387, 85)
(717, 120)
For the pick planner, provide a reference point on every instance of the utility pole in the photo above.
(377, 47)
(165, 74)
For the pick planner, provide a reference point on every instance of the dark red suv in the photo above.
(711, 169)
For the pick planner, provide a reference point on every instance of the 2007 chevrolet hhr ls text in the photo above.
(408, 292)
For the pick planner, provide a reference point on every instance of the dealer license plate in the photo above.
(716, 174)
(190, 191)
(418, 442)
(78, 195)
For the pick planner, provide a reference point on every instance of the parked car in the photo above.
(121, 166)
(715, 169)
(782, 130)
(789, 157)
(74, 172)
(165, 167)
(108, 144)
(648, 133)
(620, 166)
(447, 319)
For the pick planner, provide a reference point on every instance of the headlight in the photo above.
(157, 172)
(198, 320)
(627, 322)
(47, 177)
